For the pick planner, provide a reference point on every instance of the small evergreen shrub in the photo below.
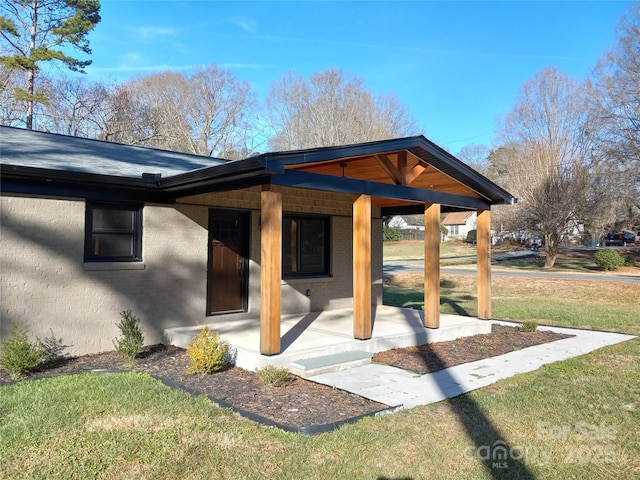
(274, 376)
(391, 234)
(608, 259)
(19, 355)
(528, 326)
(132, 339)
(52, 348)
(207, 353)
(629, 261)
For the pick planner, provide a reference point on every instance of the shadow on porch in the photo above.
(318, 334)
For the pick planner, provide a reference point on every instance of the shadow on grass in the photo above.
(499, 459)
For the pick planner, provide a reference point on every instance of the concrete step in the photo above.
(336, 362)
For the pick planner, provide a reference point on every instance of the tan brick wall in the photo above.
(46, 286)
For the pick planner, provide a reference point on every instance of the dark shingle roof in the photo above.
(73, 154)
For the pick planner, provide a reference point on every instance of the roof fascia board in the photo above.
(231, 171)
(466, 170)
(44, 182)
(295, 178)
(80, 191)
(278, 160)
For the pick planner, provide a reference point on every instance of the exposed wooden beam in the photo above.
(484, 264)
(331, 183)
(391, 170)
(415, 172)
(271, 269)
(362, 320)
(432, 265)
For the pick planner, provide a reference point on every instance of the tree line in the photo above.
(568, 149)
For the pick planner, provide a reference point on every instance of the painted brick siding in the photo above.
(47, 287)
(333, 292)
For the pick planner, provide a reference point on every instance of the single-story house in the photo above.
(458, 224)
(91, 228)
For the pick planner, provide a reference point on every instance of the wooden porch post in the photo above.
(484, 264)
(271, 269)
(362, 321)
(432, 265)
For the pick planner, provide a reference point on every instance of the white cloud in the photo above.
(246, 24)
(150, 33)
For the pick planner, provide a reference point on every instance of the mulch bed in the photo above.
(301, 405)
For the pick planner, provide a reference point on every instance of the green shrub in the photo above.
(52, 348)
(131, 341)
(528, 326)
(629, 261)
(608, 259)
(274, 376)
(391, 234)
(207, 353)
(19, 355)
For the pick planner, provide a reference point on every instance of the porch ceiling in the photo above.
(399, 167)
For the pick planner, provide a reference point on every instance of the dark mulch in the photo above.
(301, 405)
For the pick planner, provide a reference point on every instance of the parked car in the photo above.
(629, 237)
(619, 239)
(614, 239)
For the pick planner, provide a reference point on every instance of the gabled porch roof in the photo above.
(400, 174)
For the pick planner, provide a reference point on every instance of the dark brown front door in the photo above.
(228, 262)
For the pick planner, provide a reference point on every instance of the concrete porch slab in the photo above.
(317, 334)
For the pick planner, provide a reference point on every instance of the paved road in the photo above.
(418, 266)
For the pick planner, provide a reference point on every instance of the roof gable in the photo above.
(457, 218)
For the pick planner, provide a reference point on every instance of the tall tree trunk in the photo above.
(551, 249)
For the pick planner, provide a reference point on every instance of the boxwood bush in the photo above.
(608, 259)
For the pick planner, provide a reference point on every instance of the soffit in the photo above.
(399, 167)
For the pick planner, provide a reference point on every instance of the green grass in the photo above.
(579, 303)
(414, 250)
(573, 419)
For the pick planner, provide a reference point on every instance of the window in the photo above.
(113, 233)
(453, 230)
(305, 245)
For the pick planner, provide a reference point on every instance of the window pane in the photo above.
(289, 245)
(113, 220)
(109, 245)
(312, 246)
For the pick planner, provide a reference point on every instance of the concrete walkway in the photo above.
(402, 389)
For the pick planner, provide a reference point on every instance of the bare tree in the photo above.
(75, 108)
(545, 132)
(11, 110)
(331, 110)
(205, 113)
(476, 156)
(615, 120)
(37, 31)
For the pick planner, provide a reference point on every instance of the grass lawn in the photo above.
(578, 418)
(414, 249)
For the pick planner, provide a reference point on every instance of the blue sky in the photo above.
(457, 66)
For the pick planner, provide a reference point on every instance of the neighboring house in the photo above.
(411, 226)
(90, 228)
(407, 222)
(458, 224)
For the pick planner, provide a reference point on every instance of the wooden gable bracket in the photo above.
(400, 174)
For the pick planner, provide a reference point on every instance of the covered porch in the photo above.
(318, 334)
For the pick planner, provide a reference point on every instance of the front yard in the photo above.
(572, 419)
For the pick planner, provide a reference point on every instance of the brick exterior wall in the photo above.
(46, 287)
